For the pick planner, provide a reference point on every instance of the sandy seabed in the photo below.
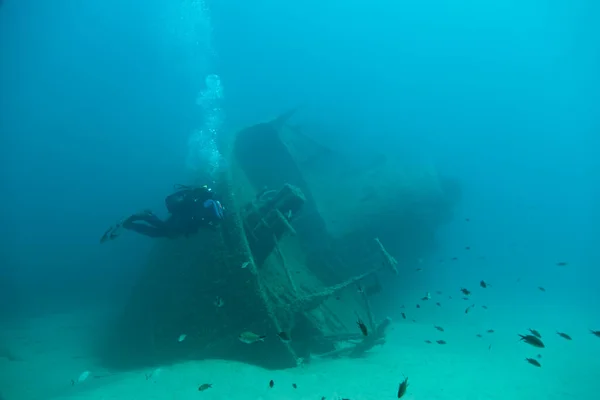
(47, 353)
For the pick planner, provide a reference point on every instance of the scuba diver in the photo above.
(190, 208)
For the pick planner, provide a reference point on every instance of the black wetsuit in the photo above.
(190, 209)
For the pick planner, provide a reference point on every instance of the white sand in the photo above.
(52, 352)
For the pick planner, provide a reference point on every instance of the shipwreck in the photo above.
(307, 231)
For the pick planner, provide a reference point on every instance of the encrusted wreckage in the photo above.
(273, 266)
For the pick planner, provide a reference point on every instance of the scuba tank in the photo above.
(186, 197)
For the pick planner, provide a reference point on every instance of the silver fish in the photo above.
(250, 337)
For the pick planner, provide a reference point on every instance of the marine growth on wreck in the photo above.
(290, 272)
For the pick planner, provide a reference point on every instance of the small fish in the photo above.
(418, 306)
(564, 335)
(595, 333)
(465, 298)
(428, 341)
(245, 265)
(181, 337)
(562, 263)
(484, 284)
(403, 316)
(469, 308)
(479, 335)
(284, 336)
(402, 387)
(489, 347)
(418, 269)
(539, 356)
(219, 302)
(541, 289)
(533, 362)
(490, 331)
(204, 386)
(271, 383)
(440, 341)
(532, 340)
(427, 296)
(363, 327)
(294, 386)
(535, 333)
(83, 376)
(439, 328)
(438, 304)
(454, 258)
(467, 248)
(438, 292)
(250, 337)
(466, 292)
(484, 307)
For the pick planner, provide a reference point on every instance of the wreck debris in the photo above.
(388, 259)
(376, 338)
(284, 265)
(370, 318)
(266, 260)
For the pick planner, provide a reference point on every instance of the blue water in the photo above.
(104, 105)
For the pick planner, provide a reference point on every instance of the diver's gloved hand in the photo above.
(111, 233)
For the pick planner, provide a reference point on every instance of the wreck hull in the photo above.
(256, 264)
